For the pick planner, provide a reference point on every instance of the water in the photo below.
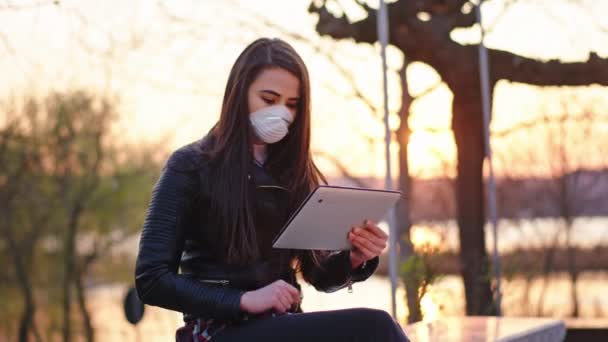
(586, 232)
(444, 299)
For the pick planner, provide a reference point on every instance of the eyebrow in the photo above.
(277, 94)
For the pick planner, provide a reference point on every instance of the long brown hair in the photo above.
(230, 148)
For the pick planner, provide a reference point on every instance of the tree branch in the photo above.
(464, 19)
(340, 28)
(545, 121)
(422, 40)
(515, 68)
(342, 168)
(21, 7)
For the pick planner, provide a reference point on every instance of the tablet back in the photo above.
(328, 214)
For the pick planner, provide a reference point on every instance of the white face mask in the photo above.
(271, 124)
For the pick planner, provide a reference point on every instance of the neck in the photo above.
(259, 152)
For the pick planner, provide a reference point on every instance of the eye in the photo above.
(267, 101)
(292, 105)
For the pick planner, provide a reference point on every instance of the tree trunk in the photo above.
(81, 297)
(548, 262)
(565, 198)
(572, 268)
(526, 296)
(573, 272)
(26, 321)
(468, 133)
(69, 275)
(27, 316)
(67, 301)
(403, 219)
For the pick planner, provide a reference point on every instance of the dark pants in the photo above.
(340, 325)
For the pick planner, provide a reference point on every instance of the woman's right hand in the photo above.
(279, 296)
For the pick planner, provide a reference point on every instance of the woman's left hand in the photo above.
(368, 241)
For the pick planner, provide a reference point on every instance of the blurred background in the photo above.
(96, 94)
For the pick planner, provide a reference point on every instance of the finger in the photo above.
(291, 291)
(278, 308)
(373, 228)
(287, 300)
(296, 295)
(290, 296)
(365, 233)
(280, 304)
(371, 241)
(285, 291)
(367, 250)
(281, 294)
(366, 254)
(289, 287)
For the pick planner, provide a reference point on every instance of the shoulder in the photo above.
(189, 157)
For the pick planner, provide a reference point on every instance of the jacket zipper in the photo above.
(215, 281)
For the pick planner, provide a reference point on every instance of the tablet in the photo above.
(325, 217)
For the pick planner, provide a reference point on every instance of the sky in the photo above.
(167, 64)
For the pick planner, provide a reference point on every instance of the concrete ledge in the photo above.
(487, 328)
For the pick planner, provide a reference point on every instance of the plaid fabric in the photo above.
(199, 330)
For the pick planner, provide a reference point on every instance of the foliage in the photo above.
(419, 271)
(70, 191)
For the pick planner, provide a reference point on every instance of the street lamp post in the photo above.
(484, 78)
(382, 22)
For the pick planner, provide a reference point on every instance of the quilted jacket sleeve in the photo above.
(334, 271)
(156, 272)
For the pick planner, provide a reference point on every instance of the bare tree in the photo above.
(422, 30)
(563, 146)
(62, 179)
(21, 169)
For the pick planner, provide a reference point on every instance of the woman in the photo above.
(220, 201)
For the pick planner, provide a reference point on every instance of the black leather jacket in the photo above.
(177, 233)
